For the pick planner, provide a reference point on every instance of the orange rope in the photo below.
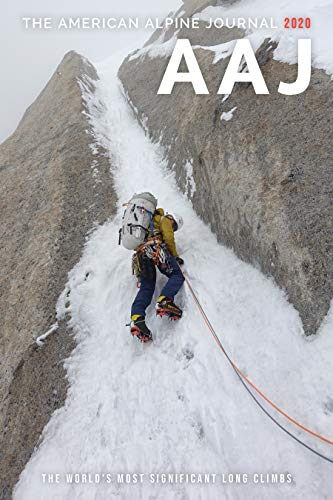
(306, 429)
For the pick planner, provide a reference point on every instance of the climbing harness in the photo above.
(153, 251)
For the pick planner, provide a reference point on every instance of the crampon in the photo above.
(166, 307)
(140, 330)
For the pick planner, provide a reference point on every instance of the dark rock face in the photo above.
(264, 178)
(54, 189)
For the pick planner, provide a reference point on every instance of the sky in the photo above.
(28, 58)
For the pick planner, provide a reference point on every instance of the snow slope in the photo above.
(176, 405)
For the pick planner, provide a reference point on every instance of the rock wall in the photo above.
(55, 187)
(258, 168)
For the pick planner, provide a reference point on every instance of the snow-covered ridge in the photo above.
(321, 33)
(156, 49)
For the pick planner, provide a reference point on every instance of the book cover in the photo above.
(166, 250)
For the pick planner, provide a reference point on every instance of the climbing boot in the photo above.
(139, 328)
(166, 307)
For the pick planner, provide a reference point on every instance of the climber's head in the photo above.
(177, 221)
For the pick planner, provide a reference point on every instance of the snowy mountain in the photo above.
(127, 420)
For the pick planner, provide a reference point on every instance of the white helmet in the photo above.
(178, 219)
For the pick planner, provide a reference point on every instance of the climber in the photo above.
(159, 250)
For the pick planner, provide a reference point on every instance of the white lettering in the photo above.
(242, 49)
(304, 70)
(172, 75)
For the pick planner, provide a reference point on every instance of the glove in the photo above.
(180, 261)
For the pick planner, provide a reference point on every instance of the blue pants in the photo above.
(147, 287)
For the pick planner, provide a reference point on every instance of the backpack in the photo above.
(137, 220)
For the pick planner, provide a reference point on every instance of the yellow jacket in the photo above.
(163, 229)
